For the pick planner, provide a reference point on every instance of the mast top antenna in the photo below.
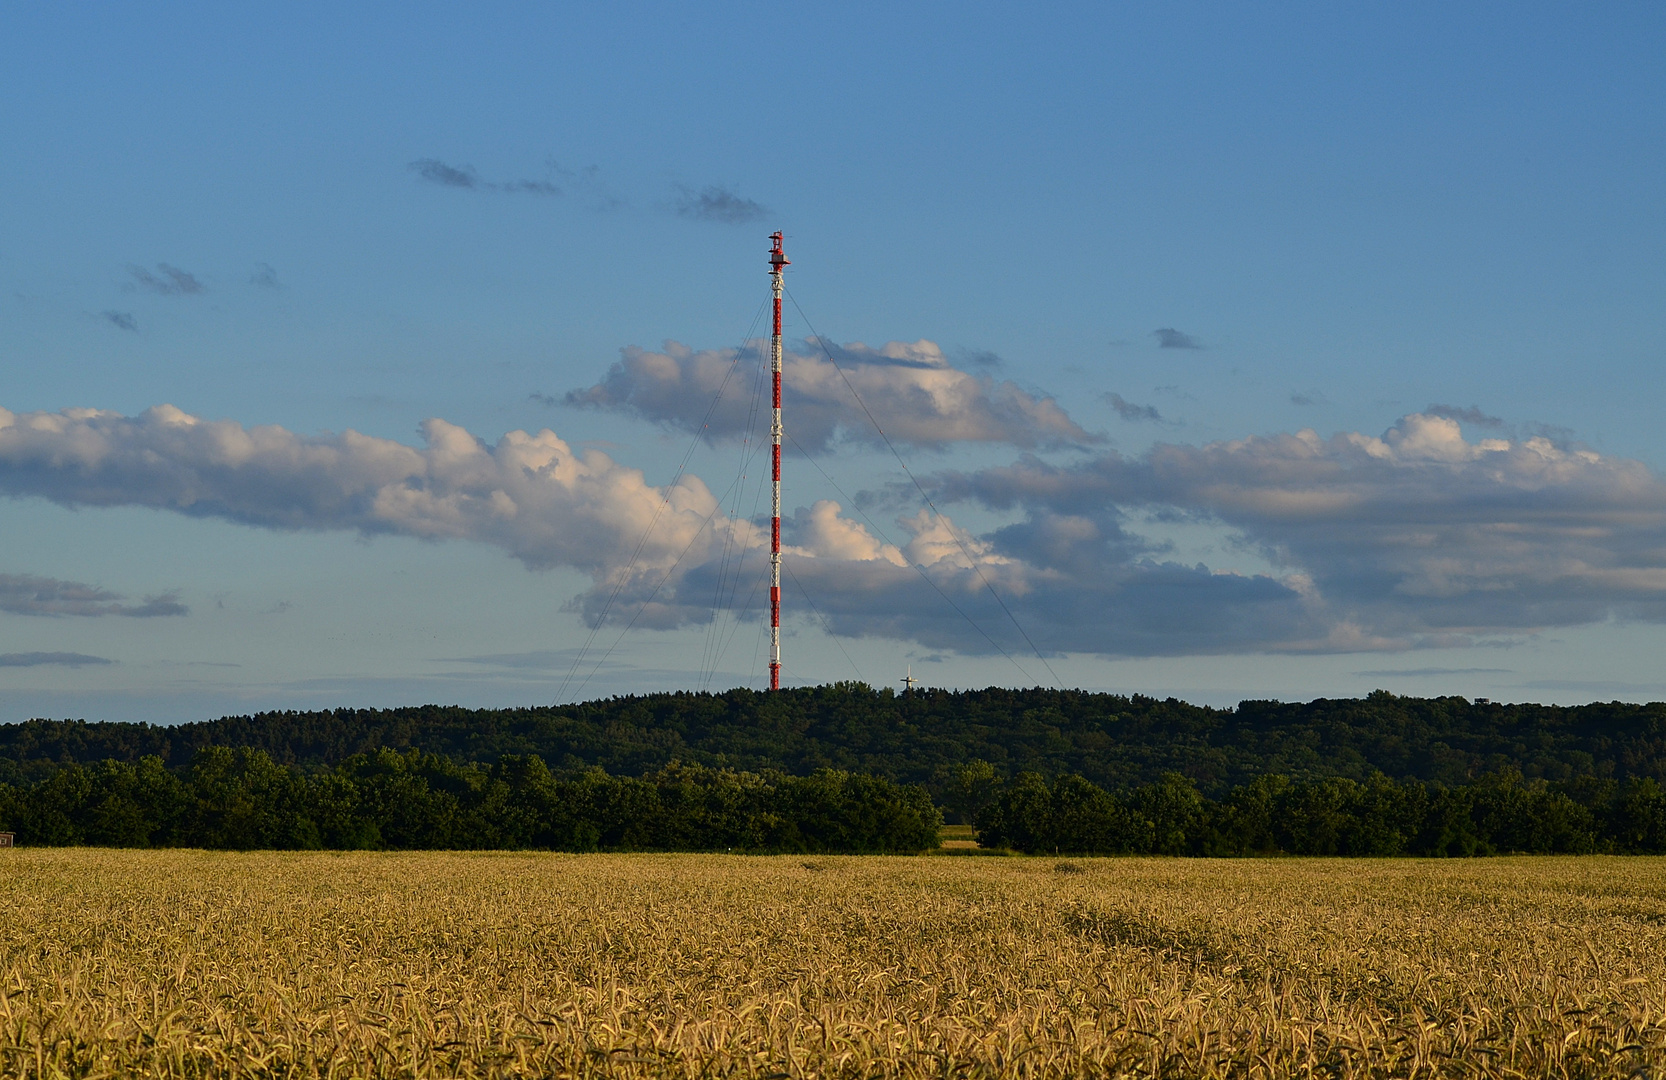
(777, 257)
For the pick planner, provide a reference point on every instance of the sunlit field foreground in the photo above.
(187, 963)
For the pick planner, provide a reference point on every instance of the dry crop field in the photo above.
(188, 963)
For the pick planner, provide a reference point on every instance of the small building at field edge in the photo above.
(5, 839)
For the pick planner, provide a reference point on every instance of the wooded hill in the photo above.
(1114, 741)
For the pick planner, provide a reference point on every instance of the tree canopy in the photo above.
(1114, 741)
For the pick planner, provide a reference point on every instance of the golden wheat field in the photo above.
(190, 963)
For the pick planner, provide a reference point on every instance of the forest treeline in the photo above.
(1114, 741)
(241, 799)
(1499, 813)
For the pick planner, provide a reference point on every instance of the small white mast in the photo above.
(777, 260)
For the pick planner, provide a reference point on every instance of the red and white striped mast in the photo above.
(777, 260)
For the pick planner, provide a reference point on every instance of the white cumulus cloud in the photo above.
(1416, 537)
(530, 494)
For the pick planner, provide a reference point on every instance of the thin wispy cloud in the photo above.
(166, 281)
(1597, 688)
(122, 320)
(530, 187)
(1555, 434)
(719, 204)
(464, 177)
(1471, 415)
(265, 277)
(43, 659)
(1133, 413)
(27, 594)
(981, 358)
(714, 203)
(161, 604)
(539, 660)
(546, 400)
(1170, 338)
(1425, 672)
(438, 172)
(1312, 397)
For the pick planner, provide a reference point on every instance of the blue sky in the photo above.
(1099, 267)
